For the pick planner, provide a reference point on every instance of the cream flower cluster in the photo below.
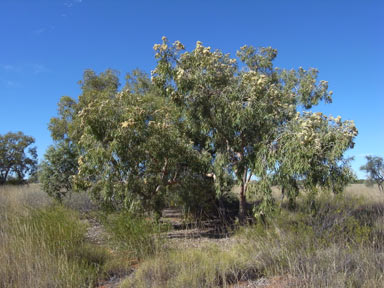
(128, 123)
(255, 78)
(309, 124)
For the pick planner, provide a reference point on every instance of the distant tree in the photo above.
(17, 158)
(375, 170)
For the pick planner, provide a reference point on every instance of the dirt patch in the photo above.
(96, 233)
(273, 282)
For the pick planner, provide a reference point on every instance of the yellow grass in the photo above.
(341, 245)
(369, 193)
(41, 245)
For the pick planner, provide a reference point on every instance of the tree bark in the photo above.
(243, 200)
(3, 177)
(242, 204)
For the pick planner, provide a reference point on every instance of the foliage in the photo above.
(375, 170)
(247, 112)
(59, 166)
(136, 151)
(200, 125)
(57, 169)
(60, 126)
(17, 158)
(311, 154)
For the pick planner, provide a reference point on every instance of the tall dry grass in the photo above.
(370, 194)
(42, 244)
(16, 197)
(341, 245)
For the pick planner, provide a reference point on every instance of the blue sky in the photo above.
(46, 45)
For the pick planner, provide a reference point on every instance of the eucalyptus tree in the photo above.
(310, 154)
(375, 170)
(60, 164)
(58, 168)
(17, 157)
(241, 113)
(133, 147)
(203, 122)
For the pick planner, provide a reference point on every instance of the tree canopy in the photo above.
(248, 111)
(17, 157)
(58, 168)
(202, 123)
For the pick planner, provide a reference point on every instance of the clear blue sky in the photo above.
(46, 45)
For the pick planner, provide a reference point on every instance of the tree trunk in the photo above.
(242, 203)
(3, 177)
(282, 195)
(243, 200)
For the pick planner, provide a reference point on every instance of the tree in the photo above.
(311, 154)
(59, 166)
(17, 158)
(202, 123)
(57, 169)
(375, 170)
(134, 148)
(243, 112)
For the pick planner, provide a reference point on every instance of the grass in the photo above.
(195, 267)
(369, 194)
(44, 249)
(15, 198)
(43, 244)
(342, 245)
(139, 237)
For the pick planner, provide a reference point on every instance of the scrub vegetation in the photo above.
(47, 244)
